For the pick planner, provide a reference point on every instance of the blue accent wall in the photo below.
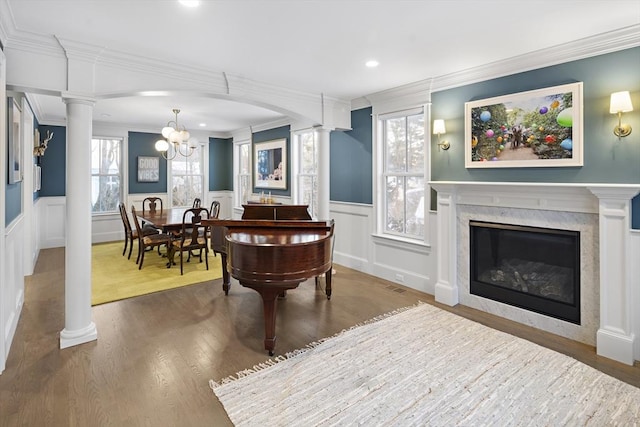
(351, 160)
(54, 162)
(606, 158)
(268, 135)
(220, 164)
(144, 144)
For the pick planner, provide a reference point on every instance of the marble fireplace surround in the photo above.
(601, 212)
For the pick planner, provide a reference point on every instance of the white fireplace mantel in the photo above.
(616, 333)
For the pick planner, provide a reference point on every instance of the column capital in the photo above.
(322, 128)
(78, 98)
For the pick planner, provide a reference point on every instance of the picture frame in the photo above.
(14, 159)
(537, 128)
(148, 168)
(270, 160)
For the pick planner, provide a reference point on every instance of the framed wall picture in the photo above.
(15, 146)
(538, 128)
(270, 160)
(148, 169)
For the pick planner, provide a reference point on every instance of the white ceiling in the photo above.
(315, 46)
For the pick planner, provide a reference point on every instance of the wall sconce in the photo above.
(439, 129)
(621, 103)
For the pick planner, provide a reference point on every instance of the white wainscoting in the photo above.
(357, 247)
(634, 252)
(52, 212)
(107, 228)
(12, 285)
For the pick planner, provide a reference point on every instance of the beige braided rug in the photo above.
(426, 367)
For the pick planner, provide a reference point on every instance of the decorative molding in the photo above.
(400, 98)
(600, 44)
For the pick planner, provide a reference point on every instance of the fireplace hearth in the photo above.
(533, 268)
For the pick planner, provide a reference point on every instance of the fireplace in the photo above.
(534, 268)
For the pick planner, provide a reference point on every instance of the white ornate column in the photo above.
(446, 289)
(615, 338)
(78, 326)
(324, 182)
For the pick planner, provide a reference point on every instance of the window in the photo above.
(403, 174)
(243, 172)
(307, 168)
(187, 178)
(106, 176)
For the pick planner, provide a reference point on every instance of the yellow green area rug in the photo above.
(114, 277)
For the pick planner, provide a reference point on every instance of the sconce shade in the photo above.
(620, 102)
(438, 127)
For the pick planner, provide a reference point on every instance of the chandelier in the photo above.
(176, 137)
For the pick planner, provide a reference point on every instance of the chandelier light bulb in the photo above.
(184, 135)
(166, 131)
(175, 137)
(162, 145)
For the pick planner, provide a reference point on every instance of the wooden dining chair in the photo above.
(131, 235)
(194, 235)
(214, 211)
(197, 203)
(148, 241)
(150, 204)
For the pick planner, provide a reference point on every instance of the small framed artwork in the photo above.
(148, 169)
(538, 128)
(270, 159)
(14, 143)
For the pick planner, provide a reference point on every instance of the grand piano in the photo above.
(272, 249)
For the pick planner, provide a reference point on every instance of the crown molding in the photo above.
(79, 50)
(360, 103)
(7, 22)
(401, 97)
(613, 41)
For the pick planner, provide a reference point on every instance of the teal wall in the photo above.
(606, 158)
(54, 162)
(268, 135)
(144, 144)
(351, 160)
(220, 164)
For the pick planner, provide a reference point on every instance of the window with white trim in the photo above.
(402, 138)
(106, 174)
(307, 171)
(187, 178)
(243, 172)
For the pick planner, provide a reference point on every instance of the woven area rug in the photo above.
(425, 366)
(114, 277)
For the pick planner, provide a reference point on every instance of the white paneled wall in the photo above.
(357, 247)
(12, 287)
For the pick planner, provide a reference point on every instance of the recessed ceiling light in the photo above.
(372, 63)
(190, 3)
(202, 125)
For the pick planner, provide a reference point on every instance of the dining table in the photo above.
(167, 220)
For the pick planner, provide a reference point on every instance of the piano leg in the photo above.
(270, 294)
(327, 277)
(226, 280)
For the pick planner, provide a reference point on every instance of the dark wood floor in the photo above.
(155, 354)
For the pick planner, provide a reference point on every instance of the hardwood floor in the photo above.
(155, 354)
